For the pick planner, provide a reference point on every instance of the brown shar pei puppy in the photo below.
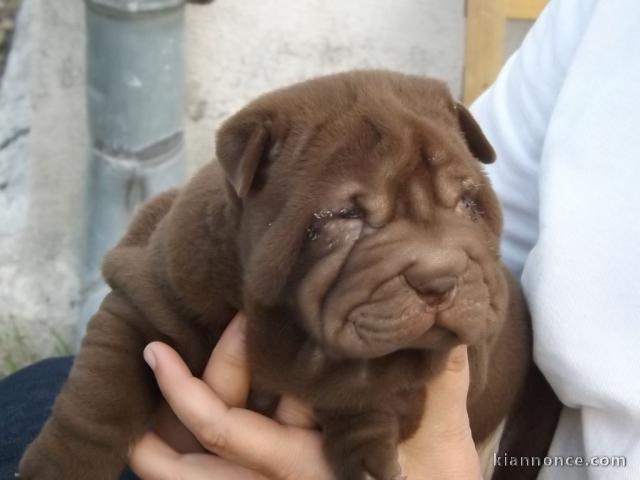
(350, 218)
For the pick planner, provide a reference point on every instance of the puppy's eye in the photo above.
(469, 202)
(350, 212)
(313, 232)
(322, 217)
(469, 205)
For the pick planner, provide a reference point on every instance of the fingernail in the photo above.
(242, 321)
(239, 324)
(457, 358)
(149, 357)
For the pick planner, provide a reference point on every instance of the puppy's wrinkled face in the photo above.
(365, 214)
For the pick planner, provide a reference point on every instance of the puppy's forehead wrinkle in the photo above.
(418, 199)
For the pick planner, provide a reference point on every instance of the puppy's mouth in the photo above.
(394, 318)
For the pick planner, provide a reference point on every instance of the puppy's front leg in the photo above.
(363, 445)
(105, 405)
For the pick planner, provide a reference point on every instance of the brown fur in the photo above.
(338, 208)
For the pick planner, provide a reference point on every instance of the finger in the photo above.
(294, 413)
(173, 432)
(444, 440)
(447, 391)
(446, 421)
(207, 466)
(227, 372)
(152, 459)
(242, 436)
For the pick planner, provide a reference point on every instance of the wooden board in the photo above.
(486, 26)
(525, 9)
(484, 45)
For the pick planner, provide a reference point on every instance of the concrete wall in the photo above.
(42, 171)
(235, 50)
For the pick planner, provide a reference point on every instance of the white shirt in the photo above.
(564, 118)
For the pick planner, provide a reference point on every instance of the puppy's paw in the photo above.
(361, 445)
(38, 464)
(372, 463)
(56, 456)
(399, 477)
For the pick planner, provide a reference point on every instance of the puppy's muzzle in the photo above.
(390, 294)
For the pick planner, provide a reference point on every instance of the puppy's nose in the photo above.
(435, 291)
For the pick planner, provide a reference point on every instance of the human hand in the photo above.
(240, 444)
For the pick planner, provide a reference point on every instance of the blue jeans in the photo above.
(26, 398)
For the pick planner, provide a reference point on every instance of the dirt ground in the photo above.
(8, 9)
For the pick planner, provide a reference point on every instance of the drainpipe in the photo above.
(135, 109)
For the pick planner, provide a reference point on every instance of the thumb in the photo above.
(445, 413)
(447, 391)
(443, 445)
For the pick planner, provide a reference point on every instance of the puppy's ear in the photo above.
(473, 135)
(242, 145)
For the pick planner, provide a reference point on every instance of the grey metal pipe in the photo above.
(135, 108)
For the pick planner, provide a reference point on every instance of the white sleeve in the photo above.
(514, 114)
(563, 118)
